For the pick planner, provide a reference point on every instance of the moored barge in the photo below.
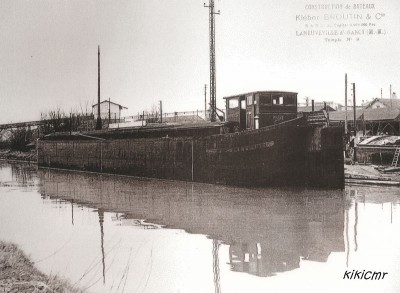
(263, 143)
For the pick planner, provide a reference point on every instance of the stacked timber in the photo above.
(317, 118)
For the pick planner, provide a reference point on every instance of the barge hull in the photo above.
(288, 154)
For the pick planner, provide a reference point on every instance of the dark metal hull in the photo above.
(288, 154)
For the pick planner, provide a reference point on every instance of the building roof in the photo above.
(111, 102)
(341, 115)
(259, 92)
(391, 103)
(307, 109)
(379, 114)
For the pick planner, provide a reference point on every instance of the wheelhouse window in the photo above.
(290, 100)
(265, 100)
(277, 100)
(233, 103)
(249, 100)
(242, 104)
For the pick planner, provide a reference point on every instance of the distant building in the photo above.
(372, 121)
(333, 105)
(108, 109)
(319, 107)
(383, 103)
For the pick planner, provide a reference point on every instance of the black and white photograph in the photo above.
(199, 146)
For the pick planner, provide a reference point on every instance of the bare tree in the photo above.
(58, 121)
(20, 138)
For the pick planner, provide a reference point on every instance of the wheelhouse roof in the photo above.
(260, 92)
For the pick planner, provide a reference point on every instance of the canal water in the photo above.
(109, 233)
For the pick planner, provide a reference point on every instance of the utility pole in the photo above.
(345, 103)
(98, 124)
(109, 112)
(161, 110)
(213, 82)
(205, 102)
(354, 108)
(70, 124)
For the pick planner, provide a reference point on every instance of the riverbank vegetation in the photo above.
(20, 138)
(17, 274)
(12, 155)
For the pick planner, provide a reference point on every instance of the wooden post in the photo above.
(101, 157)
(363, 120)
(205, 102)
(354, 110)
(161, 110)
(109, 112)
(355, 120)
(99, 123)
(327, 114)
(192, 161)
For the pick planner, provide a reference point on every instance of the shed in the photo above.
(372, 120)
(108, 110)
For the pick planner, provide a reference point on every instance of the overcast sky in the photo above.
(155, 50)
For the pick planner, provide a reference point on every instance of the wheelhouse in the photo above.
(259, 109)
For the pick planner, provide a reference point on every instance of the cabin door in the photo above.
(249, 122)
(242, 114)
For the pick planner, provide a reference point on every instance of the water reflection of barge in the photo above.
(262, 144)
(268, 231)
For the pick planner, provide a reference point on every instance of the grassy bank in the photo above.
(17, 274)
(29, 156)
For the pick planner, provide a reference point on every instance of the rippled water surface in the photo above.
(119, 234)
